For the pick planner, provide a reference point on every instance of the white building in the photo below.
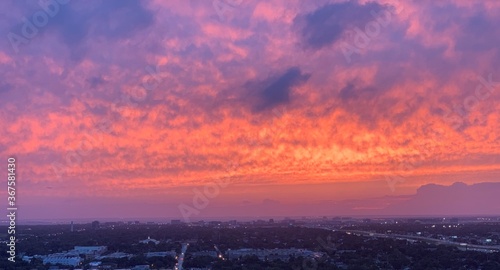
(209, 253)
(146, 241)
(72, 257)
(115, 255)
(95, 264)
(161, 254)
(141, 267)
(62, 258)
(90, 250)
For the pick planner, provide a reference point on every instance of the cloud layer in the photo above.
(115, 98)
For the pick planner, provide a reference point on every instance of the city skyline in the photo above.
(246, 108)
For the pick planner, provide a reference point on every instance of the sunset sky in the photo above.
(124, 109)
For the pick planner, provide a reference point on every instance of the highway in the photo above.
(180, 259)
(462, 246)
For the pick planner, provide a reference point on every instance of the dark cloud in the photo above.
(351, 92)
(348, 92)
(366, 103)
(370, 104)
(99, 110)
(108, 19)
(5, 87)
(276, 91)
(96, 81)
(478, 31)
(480, 34)
(201, 52)
(121, 18)
(326, 24)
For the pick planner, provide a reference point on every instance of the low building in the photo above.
(62, 258)
(95, 264)
(115, 255)
(90, 250)
(208, 253)
(73, 257)
(161, 254)
(141, 267)
(175, 222)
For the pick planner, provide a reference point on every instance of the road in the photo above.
(426, 239)
(180, 259)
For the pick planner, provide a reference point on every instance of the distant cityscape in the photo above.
(305, 243)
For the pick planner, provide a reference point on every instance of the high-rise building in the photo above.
(95, 224)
